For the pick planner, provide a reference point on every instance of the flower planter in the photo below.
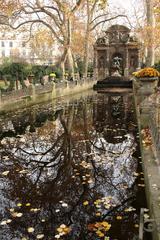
(146, 85)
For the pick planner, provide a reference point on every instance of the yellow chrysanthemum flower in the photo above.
(146, 72)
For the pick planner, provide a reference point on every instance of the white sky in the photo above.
(126, 4)
(131, 8)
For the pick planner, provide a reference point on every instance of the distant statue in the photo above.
(116, 66)
(116, 62)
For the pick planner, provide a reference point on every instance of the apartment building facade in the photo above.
(17, 47)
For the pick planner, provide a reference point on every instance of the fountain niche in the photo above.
(116, 57)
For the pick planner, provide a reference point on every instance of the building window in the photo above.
(2, 44)
(3, 53)
(11, 44)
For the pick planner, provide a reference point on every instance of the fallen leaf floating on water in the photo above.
(4, 222)
(136, 225)
(98, 214)
(28, 204)
(30, 229)
(100, 228)
(23, 171)
(136, 174)
(5, 158)
(57, 210)
(11, 209)
(16, 214)
(119, 217)
(105, 202)
(62, 230)
(141, 185)
(8, 220)
(85, 203)
(130, 209)
(19, 204)
(40, 236)
(99, 233)
(5, 173)
(64, 204)
(35, 209)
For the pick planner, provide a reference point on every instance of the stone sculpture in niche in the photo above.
(116, 61)
(101, 62)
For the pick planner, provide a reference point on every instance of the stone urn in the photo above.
(146, 85)
(146, 80)
(30, 78)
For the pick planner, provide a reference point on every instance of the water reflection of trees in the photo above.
(64, 163)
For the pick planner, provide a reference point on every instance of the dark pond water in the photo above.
(71, 171)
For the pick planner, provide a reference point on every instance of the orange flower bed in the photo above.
(147, 72)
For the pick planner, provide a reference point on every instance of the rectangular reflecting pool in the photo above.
(71, 170)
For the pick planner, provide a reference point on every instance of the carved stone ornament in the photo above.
(117, 37)
(124, 37)
(102, 40)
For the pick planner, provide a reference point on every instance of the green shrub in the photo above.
(157, 66)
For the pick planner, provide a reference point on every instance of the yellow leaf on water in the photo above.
(8, 221)
(16, 214)
(19, 204)
(99, 233)
(28, 204)
(60, 229)
(5, 173)
(98, 214)
(62, 226)
(30, 229)
(119, 217)
(35, 209)
(19, 214)
(136, 225)
(85, 203)
(3, 222)
(40, 236)
(11, 209)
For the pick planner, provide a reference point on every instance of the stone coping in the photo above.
(150, 166)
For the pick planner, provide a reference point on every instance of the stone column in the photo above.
(95, 64)
(138, 60)
(33, 92)
(126, 72)
(0, 97)
(107, 62)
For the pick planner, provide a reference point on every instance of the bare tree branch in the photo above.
(39, 21)
(107, 20)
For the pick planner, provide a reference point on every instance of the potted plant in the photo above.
(146, 80)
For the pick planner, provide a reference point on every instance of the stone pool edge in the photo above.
(30, 100)
(149, 164)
